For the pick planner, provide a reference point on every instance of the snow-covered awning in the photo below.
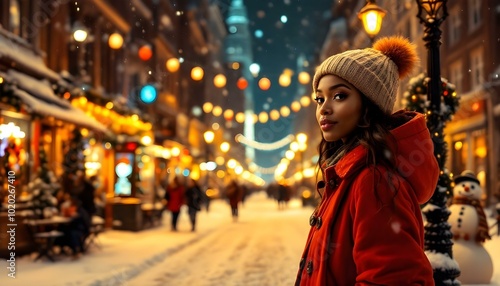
(38, 88)
(40, 99)
(69, 114)
(15, 50)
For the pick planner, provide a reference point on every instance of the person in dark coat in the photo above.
(282, 196)
(194, 199)
(78, 229)
(87, 194)
(174, 196)
(234, 193)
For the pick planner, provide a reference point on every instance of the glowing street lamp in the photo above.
(79, 32)
(371, 15)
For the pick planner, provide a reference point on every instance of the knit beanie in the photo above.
(375, 71)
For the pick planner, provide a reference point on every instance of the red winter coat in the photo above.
(365, 233)
(175, 198)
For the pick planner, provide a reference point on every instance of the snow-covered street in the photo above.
(262, 248)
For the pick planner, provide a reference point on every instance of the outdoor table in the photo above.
(45, 242)
(45, 231)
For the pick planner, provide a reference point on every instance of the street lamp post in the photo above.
(209, 138)
(371, 15)
(437, 234)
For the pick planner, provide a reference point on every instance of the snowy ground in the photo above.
(262, 248)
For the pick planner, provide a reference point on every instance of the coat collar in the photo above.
(348, 165)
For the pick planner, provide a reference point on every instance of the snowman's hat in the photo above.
(465, 176)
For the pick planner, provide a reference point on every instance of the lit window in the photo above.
(474, 14)
(14, 17)
(456, 76)
(454, 28)
(477, 68)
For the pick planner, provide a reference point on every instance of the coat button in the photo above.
(302, 263)
(332, 183)
(309, 268)
(319, 222)
(312, 220)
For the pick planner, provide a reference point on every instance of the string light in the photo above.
(264, 146)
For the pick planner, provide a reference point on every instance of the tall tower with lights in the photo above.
(238, 45)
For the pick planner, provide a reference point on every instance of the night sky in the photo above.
(281, 42)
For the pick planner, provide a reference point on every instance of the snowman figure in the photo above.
(470, 230)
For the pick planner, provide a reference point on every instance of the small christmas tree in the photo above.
(74, 162)
(44, 188)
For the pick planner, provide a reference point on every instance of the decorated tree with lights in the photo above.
(74, 162)
(438, 236)
(44, 188)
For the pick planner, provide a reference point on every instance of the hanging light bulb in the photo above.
(197, 73)
(240, 117)
(285, 111)
(295, 106)
(242, 83)
(145, 52)
(207, 107)
(217, 111)
(263, 117)
(274, 114)
(305, 100)
(264, 83)
(115, 41)
(228, 114)
(80, 35)
(172, 65)
(285, 80)
(220, 80)
(304, 78)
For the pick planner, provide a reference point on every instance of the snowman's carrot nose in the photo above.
(466, 188)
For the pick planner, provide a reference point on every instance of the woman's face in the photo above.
(339, 108)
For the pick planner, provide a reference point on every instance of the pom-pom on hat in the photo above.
(375, 71)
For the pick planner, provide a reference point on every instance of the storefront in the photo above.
(467, 138)
(32, 98)
(15, 130)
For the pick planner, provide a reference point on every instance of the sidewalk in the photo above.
(120, 256)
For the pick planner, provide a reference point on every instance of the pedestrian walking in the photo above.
(234, 193)
(174, 197)
(376, 166)
(194, 200)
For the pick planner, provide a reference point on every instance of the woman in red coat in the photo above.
(174, 196)
(377, 167)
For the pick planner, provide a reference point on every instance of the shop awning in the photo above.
(69, 114)
(14, 49)
(40, 99)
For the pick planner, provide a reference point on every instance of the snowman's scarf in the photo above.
(482, 232)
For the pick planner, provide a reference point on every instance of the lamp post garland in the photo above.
(437, 236)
